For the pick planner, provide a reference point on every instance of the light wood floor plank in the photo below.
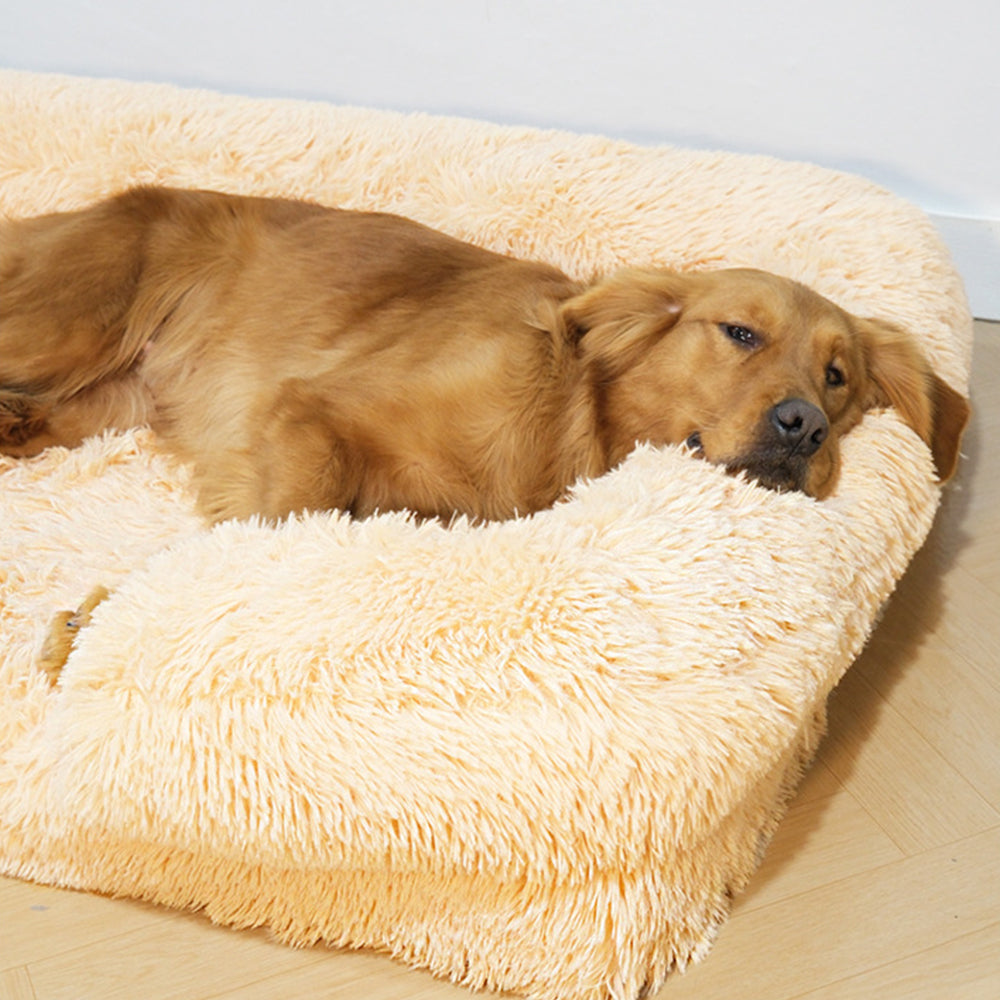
(181, 960)
(819, 841)
(818, 783)
(967, 603)
(852, 927)
(913, 793)
(952, 610)
(351, 976)
(963, 969)
(15, 984)
(39, 922)
(953, 702)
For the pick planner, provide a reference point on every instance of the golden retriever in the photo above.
(302, 357)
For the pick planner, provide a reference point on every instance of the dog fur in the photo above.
(302, 357)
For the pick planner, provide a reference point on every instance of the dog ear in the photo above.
(901, 378)
(617, 319)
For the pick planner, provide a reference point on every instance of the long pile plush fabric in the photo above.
(539, 756)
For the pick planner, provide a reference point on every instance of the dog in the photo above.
(308, 358)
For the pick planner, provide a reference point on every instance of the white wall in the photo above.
(902, 91)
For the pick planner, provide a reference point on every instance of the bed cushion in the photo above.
(539, 756)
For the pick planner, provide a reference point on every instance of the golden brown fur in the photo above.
(309, 358)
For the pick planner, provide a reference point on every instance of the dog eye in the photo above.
(834, 376)
(741, 334)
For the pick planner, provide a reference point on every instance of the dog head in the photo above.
(753, 371)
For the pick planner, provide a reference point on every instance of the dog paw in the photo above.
(21, 417)
(63, 630)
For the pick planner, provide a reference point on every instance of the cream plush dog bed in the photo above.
(538, 756)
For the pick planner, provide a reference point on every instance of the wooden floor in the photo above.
(883, 882)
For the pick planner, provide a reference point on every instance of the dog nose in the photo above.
(800, 425)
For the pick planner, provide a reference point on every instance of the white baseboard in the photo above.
(975, 248)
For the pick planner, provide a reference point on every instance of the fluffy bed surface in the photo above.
(538, 756)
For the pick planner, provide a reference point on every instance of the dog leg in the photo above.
(298, 463)
(63, 630)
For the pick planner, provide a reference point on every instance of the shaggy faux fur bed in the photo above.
(538, 756)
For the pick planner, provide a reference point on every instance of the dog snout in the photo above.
(800, 425)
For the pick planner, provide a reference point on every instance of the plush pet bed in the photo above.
(539, 756)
